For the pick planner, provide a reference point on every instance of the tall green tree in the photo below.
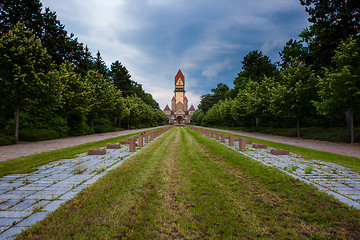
(76, 94)
(299, 84)
(217, 94)
(101, 67)
(121, 78)
(340, 88)
(255, 66)
(27, 12)
(332, 21)
(24, 68)
(293, 49)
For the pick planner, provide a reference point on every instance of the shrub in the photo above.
(37, 134)
(102, 122)
(104, 129)
(7, 140)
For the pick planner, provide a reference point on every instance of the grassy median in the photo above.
(186, 186)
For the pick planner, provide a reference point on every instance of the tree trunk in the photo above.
(92, 124)
(119, 122)
(270, 127)
(66, 120)
(352, 123)
(298, 127)
(17, 123)
(115, 121)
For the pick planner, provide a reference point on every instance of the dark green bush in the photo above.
(104, 129)
(37, 134)
(332, 134)
(102, 122)
(7, 140)
(315, 133)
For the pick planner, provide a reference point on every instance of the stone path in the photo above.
(334, 179)
(28, 198)
(338, 148)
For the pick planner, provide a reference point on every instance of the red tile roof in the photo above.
(173, 99)
(167, 108)
(185, 99)
(179, 74)
(192, 108)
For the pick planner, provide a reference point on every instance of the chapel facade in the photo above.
(179, 112)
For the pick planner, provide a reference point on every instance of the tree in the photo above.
(24, 66)
(198, 116)
(76, 94)
(27, 12)
(293, 49)
(101, 67)
(299, 84)
(120, 77)
(332, 21)
(209, 100)
(255, 66)
(340, 88)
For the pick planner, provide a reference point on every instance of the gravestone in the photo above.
(97, 151)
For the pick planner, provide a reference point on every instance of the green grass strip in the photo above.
(350, 162)
(186, 186)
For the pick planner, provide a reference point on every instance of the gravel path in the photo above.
(29, 148)
(338, 148)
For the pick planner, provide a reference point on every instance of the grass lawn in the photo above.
(186, 186)
(350, 162)
(30, 163)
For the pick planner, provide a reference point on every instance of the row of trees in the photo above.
(62, 87)
(317, 81)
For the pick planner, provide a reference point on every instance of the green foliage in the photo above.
(198, 116)
(219, 93)
(340, 89)
(332, 21)
(38, 134)
(255, 66)
(24, 66)
(64, 92)
(7, 140)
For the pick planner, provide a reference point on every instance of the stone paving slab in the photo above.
(334, 179)
(28, 198)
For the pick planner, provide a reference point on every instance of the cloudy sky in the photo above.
(207, 39)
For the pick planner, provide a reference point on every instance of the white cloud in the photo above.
(213, 70)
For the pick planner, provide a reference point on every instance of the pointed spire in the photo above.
(192, 108)
(173, 99)
(179, 74)
(167, 108)
(185, 99)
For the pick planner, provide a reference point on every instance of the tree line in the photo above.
(317, 82)
(49, 80)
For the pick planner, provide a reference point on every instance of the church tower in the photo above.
(179, 103)
(179, 91)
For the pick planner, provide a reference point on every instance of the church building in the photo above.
(179, 112)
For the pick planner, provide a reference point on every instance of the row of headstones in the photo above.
(232, 139)
(141, 140)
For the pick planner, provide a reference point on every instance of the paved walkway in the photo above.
(29, 148)
(334, 179)
(339, 148)
(28, 198)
